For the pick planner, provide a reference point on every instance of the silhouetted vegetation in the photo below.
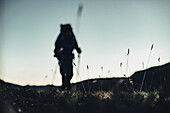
(15, 99)
(114, 95)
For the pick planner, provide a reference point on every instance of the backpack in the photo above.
(63, 46)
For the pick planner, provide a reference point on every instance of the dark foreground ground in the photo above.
(50, 99)
(104, 95)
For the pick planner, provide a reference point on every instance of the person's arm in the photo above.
(76, 46)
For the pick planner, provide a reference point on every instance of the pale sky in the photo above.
(107, 29)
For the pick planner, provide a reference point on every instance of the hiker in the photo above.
(64, 46)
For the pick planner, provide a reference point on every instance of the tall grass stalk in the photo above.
(78, 19)
(127, 62)
(78, 66)
(109, 73)
(88, 77)
(87, 71)
(121, 68)
(101, 71)
(143, 65)
(79, 77)
(146, 68)
(77, 26)
(160, 71)
(54, 74)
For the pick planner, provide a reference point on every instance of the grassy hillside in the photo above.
(115, 95)
(50, 99)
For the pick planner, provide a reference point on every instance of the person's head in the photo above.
(66, 29)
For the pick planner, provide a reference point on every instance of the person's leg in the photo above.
(66, 70)
(70, 73)
(63, 71)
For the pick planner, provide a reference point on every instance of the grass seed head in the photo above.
(80, 9)
(152, 47)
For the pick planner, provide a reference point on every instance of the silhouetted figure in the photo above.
(64, 46)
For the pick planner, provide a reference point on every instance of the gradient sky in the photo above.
(107, 29)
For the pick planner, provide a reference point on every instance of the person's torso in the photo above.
(67, 44)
